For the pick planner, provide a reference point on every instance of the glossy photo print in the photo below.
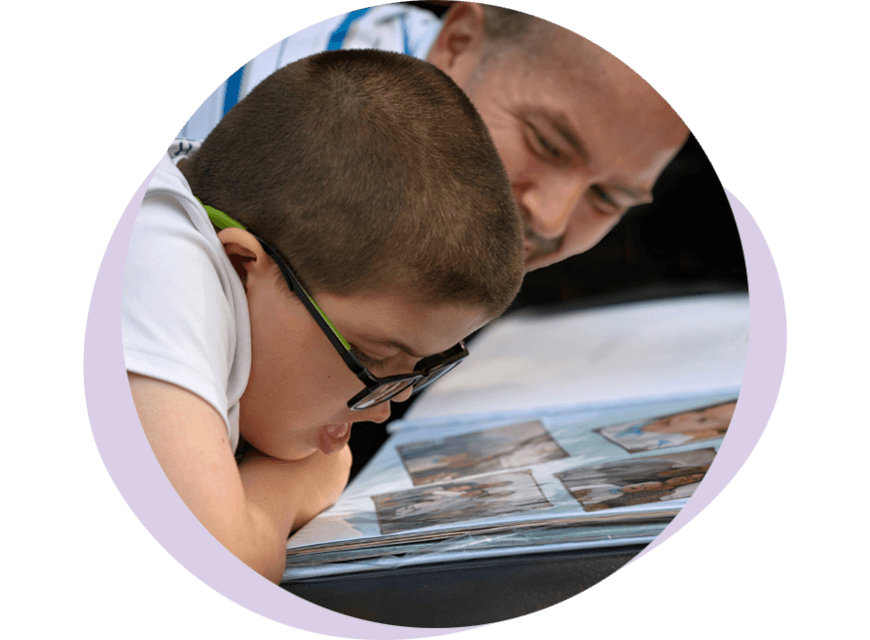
(508, 447)
(670, 431)
(638, 481)
(493, 495)
(448, 297)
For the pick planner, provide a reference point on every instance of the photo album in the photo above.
(590, 475)
(486, 486)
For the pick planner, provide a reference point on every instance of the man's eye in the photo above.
(543, 147)
(605, 202)
(550, 148)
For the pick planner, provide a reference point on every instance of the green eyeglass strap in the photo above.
(331, 326)
(222, 221)
(219, 218)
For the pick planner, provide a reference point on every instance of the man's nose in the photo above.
(552, 202)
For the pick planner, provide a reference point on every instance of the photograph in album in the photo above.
(509, 447)
(488, 496)
(638, 481)
(674, 430)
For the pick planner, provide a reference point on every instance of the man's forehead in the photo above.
(584, 63)
(581, 84)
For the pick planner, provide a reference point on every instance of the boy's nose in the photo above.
(405, 395)
(378, 413)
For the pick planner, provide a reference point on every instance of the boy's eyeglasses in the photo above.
(377, 390)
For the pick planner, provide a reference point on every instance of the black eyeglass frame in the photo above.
(443, 362)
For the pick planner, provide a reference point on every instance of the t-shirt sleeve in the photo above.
(177, 325)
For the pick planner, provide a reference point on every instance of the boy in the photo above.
(321, 254)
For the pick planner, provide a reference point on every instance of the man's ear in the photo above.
(458, 49)
(244, 251)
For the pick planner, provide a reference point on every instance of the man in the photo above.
(583, 137)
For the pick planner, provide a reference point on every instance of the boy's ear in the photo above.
(244, 251)
(458, 49)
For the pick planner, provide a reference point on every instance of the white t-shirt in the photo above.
(398, 27)
(184, 317)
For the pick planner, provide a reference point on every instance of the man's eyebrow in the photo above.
(644, 195)
(561, 125)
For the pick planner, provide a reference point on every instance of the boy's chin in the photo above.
(333, 437)
(294, 453)
(327, 439)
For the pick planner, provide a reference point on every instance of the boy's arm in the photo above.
(250, 508)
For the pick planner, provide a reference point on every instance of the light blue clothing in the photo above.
(394, 27)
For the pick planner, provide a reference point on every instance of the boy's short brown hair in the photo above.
(368, 170)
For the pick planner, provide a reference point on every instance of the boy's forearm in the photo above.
(265, 551)
(190, 442)
(271, 511)
(293, 492)
(282, 496)
(250, 507)
(256, 529)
